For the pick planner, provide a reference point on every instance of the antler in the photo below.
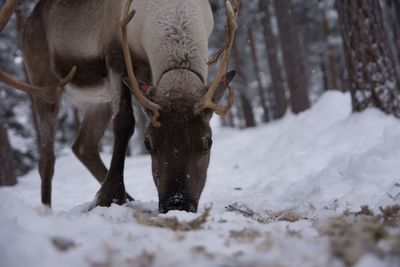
(6, 12)
(48, 93)
(232, 9)
(126, 18)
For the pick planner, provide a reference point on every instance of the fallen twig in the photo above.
(287, 215)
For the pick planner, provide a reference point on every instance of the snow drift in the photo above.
(271, 190)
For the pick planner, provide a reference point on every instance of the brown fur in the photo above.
(64, 33)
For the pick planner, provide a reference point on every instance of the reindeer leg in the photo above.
(113, 188)
(86, 144)
(38, 65)
(46, 115)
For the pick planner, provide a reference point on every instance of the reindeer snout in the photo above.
(177, 202)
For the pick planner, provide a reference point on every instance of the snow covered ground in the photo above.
(274, 191)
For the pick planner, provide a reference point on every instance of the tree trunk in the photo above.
(247, 108)
(248, 113)
(271, 43)
(261, 91)
(393, 25)
(372, 78)
(228, 120)
(396, 28)
(332, 77)
(292, 56)
(7, 172)
(396, 7)
(322, 65)
(231, 120)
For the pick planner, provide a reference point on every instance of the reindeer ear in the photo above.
(223, 85)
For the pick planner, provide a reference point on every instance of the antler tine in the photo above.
(48, 93)
(207, 102)
(126, 18)
(6, 12)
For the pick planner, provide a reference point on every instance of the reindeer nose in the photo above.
(177, 202)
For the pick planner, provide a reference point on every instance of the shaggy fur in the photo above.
(177, 36)
(168, 41)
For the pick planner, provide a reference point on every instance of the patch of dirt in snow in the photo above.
(63, 244)
(352, 235)
(113, 258)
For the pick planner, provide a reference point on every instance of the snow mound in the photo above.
(271, 187)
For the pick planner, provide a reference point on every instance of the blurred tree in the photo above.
(372, 78)
(271, 44)
(395, 22)
(261, 91)
(15, 112)
(292, 56)
(7, 173)
(391, 12)
(329, 57)
(246, 106)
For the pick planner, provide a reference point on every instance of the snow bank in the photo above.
(313, 165)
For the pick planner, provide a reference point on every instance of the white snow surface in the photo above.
(318, 163)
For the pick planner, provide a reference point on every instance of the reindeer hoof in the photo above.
(129, 198)
(110, 193)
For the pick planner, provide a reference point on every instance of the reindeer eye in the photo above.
(208, 143)
(148, 144)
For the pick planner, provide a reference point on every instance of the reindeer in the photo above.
(97, 52)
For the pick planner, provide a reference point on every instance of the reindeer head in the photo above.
(179, 136)
(180, 147)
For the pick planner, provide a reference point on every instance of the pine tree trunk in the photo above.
(332, 77)
(7, 172)
(397, 12)
(261, 91)
(247, 108)
(372, 76)
(231, 120)
(292, 56)
(395, 26)
(322, 65)
(228, 120)
(271, 43)
(397, 34)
